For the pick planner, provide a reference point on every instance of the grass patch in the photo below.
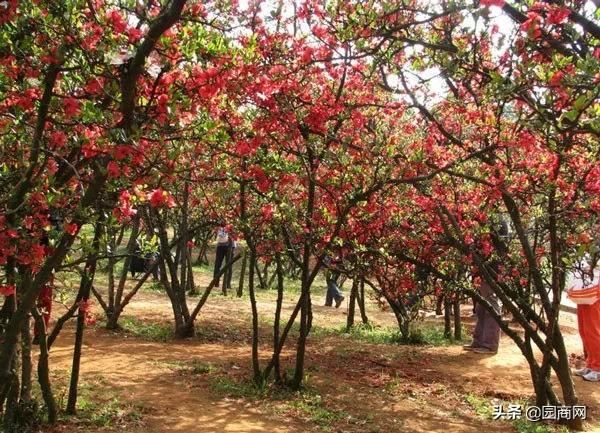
(424, 334)
(111, 413)
(481, 405)
(433, 335)
(525, 426)
(306, 404)
(153, 287)
(147, 330)
(311, 406)
(226, 386)
(194, 366)
(97, 403)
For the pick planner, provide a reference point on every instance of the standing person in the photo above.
(585, 292)
(333, 291)
(486, 335)
(224, 243)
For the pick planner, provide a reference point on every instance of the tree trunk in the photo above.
(10, 419)
(447, 318)
(301, 345)
(563, 374)
(44, 370)
(191, 284)
(361, 302)
(261, 281)
(276, 324)
(26, 362)
(183, 247)
(457, 318)
(255, 360)
(87, 279)
(112, 320)
(352, 304)
(240, 290)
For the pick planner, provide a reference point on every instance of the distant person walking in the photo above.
(333, 290)
(225, 243)
(486, 336)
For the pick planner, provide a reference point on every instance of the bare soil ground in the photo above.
(136, 384)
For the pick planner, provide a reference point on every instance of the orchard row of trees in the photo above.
(396, 135)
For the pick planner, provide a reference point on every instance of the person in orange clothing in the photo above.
(586, 294)
(588, 320)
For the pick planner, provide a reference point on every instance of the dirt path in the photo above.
(363, 387)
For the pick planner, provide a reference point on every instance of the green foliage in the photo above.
(312, 406)
(200, 367)
(424, 334)
(307, 403)
(481, 405)
(525, 426)
(194, 366)
(154, 287)
(432, 335)
(107, 413)
(226, 386)
(147, 330)
(483, 408)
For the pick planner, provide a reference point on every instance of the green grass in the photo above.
(483, 408)
(147, 330)
(153, 286)
(98, 403)
(525, 426)
(433, 335)
(193, 366)
(481, 405)
(107, 413)
(226, 386)
(312, 406)
(422, 334)
(197, 366)
(307, 403)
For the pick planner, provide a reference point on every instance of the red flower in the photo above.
(267, 212)
(532, 25)
(160, 198)
(557, 78)
(38, 252)
(113, 169)
(7, 290)
(498, 3)
(558, 15)
(122, 152)
(72, 107)
(170, 201)
(58, 139)
(157, 197)
(116, 20)
(133, 35)
(72, 229)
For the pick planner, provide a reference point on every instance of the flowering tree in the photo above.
(70, 121)
(518, 109)
(394, 135)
